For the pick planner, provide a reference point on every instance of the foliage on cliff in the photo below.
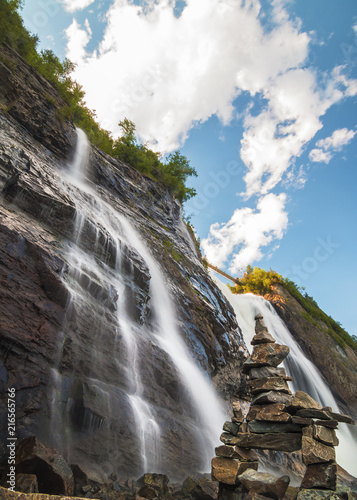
(173, 173)
(260, 282)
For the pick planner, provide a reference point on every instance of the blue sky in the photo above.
(261, 98)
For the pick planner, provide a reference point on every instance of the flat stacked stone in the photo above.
(276, 420)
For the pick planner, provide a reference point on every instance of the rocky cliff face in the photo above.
(64, 346)
(337, 365)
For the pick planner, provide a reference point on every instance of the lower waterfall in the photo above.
(100, 271)
(306, 376)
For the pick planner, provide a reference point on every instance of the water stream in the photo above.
(101, 230)
(306, 376)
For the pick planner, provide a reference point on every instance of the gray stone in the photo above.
(316, 494)
(271, 397)
(265, 484)
(53, 473)
(266, 355)
(302, 400)
(320, 476)
(231, 428)
(269, 384)
(343, 418)
(314, 452)
(237, 412)
(26, 483)
(269, 412)
(314, 413)
(325, 435)
(259, 427)
(242, 454)
(226, 470)
(272, 441)
(267, 371)
(228, 438)
(263, 337)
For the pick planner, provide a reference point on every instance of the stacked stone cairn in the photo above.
(276, 420)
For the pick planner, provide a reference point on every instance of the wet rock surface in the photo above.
(275, 424)
(54, 348)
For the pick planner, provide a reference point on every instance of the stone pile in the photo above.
(276, 420)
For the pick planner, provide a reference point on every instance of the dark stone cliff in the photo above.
(64, 354)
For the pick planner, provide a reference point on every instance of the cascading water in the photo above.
(99, 268)
(306, 376)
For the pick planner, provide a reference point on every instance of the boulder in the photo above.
(148, 492)
(226, 470)
(231, 428)
(301, 420)
(325, 435)
(274, 441)
(237, 412)
(343, 418)
(331, 424)
(314, 413)
(265, 484)
(151, 481)
(243, 454)
(267, 371)
(262, 337)
(272, 412)
(203, 489)
(52, 471)
(314, 452)
(6, 494)
(26, 483)
(320, 476)
(271, 397)
(302, 400)
(269, 384)
(228, 438)
(316, 494)
(260, 427)
(266, 355)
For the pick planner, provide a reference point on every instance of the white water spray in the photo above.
(95, 215)
(306, 376)
(196, 382)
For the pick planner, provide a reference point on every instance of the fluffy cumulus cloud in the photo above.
(327, 147)
(168, 73)
(73, 5)
(77, 39)
(247, 232)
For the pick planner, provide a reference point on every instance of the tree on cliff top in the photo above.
(260, 282)
(173, 173)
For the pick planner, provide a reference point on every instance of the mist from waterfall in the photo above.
(306, 376)
(114, 234)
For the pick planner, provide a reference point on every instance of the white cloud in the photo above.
(168, 73)
(77, 40)
(73, 5)
(319, 156)
(339, 138)
(326, 147)
(246, 233)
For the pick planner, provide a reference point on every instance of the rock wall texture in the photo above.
(337, 365)
(61, 350)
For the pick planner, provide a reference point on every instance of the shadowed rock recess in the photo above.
(62, 345)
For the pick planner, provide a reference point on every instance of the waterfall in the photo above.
(101, 230)
(203, 396)
(306, 376)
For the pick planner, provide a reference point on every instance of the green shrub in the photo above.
(172, 173)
